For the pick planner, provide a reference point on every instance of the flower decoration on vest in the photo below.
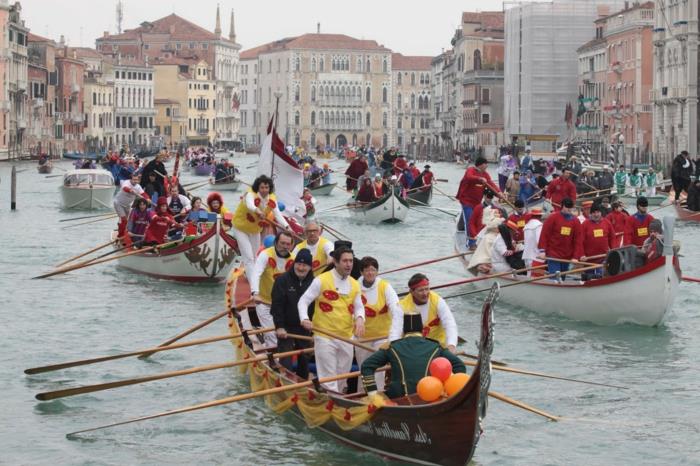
(271, 204)
(433, 323)
(369, 312)
(364, 300)
(250, 218)
(331, 295)
(325, 307)
(289, 264)
(271, 262)
(257, 202)
(315, 264)
(351, 309)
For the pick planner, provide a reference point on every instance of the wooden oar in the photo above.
(101, 261)
(85, 362)
(111, 216)
(231, 399)
(444, 193)
(335, 232)
(85, 217)
(496, 395)
(46, 396)
(200, 325)
(520, 404)
(571, 261)
(423, 204)
(546, 376)
(431, 261)
(691, 279)
(529, 280)
(101, 246)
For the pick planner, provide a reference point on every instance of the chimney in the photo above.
(232, 30)
(105, 34)
(318, 28)
(217, 29)
(62, 40)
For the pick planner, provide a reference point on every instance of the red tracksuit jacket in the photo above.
(560, 235)
(158, 227)
(559, 189)
(637, 229)
(471, 188)
(596, 238)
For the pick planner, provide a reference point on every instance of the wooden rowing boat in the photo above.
(641, 295)
(45, 169)
(207, 258)
(228, 185)
(686, 215)
(323, 190)
(203, 169)
(420, 197)
(389, 209)
(440, 433)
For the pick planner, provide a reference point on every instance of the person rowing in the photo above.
(560, 234)
(129, 191)
(319, 247)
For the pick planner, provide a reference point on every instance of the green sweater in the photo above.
(410, 359)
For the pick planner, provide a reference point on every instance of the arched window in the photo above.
(385, 95)
(320, 65)
(297, 141)
(313, 118)
(359, 65)
(327, 120)
(368, 140)
(384, 120)
(312, 140)
(398, 78)
(328, 139)
(399, 123)
(296, 118)
(313, 64)
(368, 94)
(477, 59)
(413, 79)
(297, 93)
(368, 119)
(385, 66)
(297, 65)
(413, 122)
(354, 139)
(398, 100)
(342, 119)
(413, 101)
(368, 67)
(332, 119)
(313, 93)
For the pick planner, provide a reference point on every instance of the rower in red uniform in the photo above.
(157, 229)
(560, 234)
(519, 217)
(586, 208)
(471, 191)
(618, 219)
(598, 237)
(561, 188)
(428, 178)
(637, 225)
(400, 164)
(414, 170)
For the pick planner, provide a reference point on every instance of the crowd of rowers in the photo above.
(393, 172)
(524, 238)
(320, 286)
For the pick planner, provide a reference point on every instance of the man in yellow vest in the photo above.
(250, 218)
(320, 248)
(337, 309)
(438, 321)
(271, 263)
(381, 308)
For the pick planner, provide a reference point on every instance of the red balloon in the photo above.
(441, 368)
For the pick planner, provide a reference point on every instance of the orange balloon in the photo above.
(429, 388)
(455, 383)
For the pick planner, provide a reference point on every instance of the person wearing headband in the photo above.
(409, 356)
(439, 323)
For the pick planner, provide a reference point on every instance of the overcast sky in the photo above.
(420, 28)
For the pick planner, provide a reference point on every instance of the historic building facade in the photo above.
(333, 90)
(47, 130)
(249, 114)
(16, 83)
(175, 37)
(675, 88)
(70, 92)
(412, 107)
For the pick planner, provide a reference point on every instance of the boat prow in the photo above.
(389, 209)
(323, 190)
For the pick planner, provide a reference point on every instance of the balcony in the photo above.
(679, 93)
(125, 111)
(616, 67)
(589, 77)
(680, 30)
(21, 85)
(338, 102)
(76, 118)
(203, 131)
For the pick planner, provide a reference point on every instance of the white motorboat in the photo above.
(87, 189)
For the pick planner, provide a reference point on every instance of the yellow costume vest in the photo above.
(432, 328)
(276, 266)
(251, 222)
(320, 259)
(377, 315)
(333, 311)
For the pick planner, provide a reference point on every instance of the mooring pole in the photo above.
(13, 189)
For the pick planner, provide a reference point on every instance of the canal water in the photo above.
(103, 310)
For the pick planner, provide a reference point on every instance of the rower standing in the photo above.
(618, 219)
(559, 237)
(381, 308)
(561, 188)
(409, 356)
(271, 263)
(637, 225)
(129, 190)
(471, 191)
(439, 325)
(531, 234)
(338, 309)
(320, 248)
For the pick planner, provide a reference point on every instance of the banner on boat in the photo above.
(289, 179)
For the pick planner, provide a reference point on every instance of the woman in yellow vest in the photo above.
(250, 218)
(320, 248)
(438, 321)
(381, 308)
(338, 309)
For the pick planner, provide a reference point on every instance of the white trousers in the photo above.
(248, 245)
(333, 357)
(121, 209)
(362, 354)
(651, 191)
(266, 320)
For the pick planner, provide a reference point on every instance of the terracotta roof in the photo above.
(35, 38)
(178, 28)
(314, 42)
(402, 62)
(84, 52)
(489, 20)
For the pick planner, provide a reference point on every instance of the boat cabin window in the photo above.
(86, 179)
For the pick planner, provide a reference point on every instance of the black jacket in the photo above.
(286, 292)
